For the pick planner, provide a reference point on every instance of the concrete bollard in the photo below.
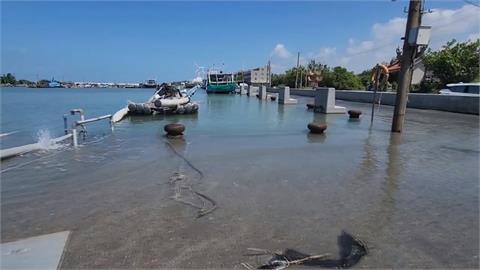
(263, 92)
(252, 91)
(325, 101)
(284, 96)
(243, 89)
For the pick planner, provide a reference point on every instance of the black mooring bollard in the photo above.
(317, 128)
(354, 114)
(174, 129)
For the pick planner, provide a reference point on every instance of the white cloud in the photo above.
(281, 52)
(281, 59)
(447, 24)
(462, 24)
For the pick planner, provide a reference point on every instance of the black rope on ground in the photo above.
(202, 211)
(185, 159)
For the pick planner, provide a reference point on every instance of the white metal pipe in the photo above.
(15, 151)
(81, 122)
(75, 137)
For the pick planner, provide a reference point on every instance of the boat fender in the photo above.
(180, 109)
(188, 108)
(132, 108)
(157, 103)
(195, 107)
(139, 108)
(146, 109)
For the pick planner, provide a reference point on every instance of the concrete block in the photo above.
(263, 92)
(39, 252)
(325, 101)
(284, 96)
(252, 91)
(243, 89)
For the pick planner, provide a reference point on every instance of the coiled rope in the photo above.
(203, 209)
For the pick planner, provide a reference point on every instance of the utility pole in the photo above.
(406, 69)
(301, 78)
(269, 73)
(296, 73)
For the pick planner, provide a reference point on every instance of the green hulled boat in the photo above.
(219, 82)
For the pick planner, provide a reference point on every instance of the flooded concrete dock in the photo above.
(412, 197)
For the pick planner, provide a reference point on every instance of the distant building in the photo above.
(256, 76)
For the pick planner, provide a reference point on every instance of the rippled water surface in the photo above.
(413, 198)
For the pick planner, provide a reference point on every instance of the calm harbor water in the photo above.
(413, 198)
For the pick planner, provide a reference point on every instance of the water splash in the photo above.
(45, 141)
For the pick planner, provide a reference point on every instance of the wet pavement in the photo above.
(413, 198)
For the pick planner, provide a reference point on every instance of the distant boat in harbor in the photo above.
(149, 84)
(54, 84)
(219, 82)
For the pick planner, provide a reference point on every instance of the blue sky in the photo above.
(135, 41)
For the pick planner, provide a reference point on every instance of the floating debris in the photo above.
(351, 251)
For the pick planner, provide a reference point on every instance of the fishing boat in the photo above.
(167, 99)
(149, 84)
(54, 84)
(219, 82)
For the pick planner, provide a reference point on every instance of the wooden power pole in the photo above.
(296, 73)
(406, 69)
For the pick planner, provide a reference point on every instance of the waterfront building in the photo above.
(255, 76)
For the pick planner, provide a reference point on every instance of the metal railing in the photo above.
(79, 127)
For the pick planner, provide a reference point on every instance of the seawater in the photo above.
(412, 197)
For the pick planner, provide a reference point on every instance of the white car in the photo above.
(461, 89)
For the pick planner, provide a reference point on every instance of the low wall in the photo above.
(458, 104)
(295, 92)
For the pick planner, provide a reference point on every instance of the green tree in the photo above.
(365, 77)
(455, 62)
(278, 79)
(24, 82)
(42, 83)
(288, 78)
(341, 78)
(8, 79)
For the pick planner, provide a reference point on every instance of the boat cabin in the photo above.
(220, 78)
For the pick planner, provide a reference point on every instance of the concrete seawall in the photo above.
(458, 104)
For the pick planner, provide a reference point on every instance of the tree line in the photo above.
(454, 62)
(9, 79)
